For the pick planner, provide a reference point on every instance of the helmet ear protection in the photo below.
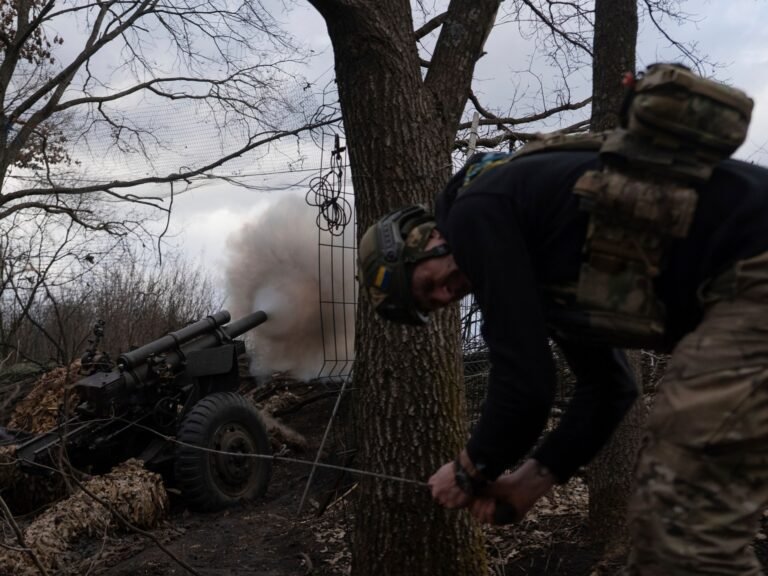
(388, 252)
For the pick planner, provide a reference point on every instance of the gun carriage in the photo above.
(174, 404)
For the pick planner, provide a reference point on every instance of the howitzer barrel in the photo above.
(171, 340)
(174, 357)
(167, 358)
(233, 330)
(245, 323)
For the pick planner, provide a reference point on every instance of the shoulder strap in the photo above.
(482, 163)
(551, 142)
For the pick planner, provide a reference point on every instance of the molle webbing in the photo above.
(677, 126)
(675, 113)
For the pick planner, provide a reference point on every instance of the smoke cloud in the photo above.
(304, 280)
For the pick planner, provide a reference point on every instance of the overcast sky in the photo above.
(730, 33)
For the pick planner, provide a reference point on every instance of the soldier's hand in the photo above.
(445, 490)
(483, 509)
(520, 490)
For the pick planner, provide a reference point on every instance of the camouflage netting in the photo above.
(24, 492)
(40, 411)
(71, 530)
(68, 533)
(36, 413)
(15, 383)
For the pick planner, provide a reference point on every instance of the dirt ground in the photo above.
(269, 538)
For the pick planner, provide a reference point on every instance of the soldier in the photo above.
(602, 251)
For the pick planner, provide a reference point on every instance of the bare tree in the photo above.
(95, 96)
(40, 257)
(68, 95)
(46, 317)
(400, 127)
(566, 36)
(560, 34)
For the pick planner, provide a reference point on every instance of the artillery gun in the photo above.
(174, 404)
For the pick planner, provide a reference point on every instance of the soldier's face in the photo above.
(437, 282)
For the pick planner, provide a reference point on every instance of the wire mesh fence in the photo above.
(337, 248)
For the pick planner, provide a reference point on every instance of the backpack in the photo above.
(676, 127)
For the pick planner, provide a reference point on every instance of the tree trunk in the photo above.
(409, 400)
(614, 47)
(611, 476)
(611, 472)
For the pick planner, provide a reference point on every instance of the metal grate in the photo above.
(337, 249)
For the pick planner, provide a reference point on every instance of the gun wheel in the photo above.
(228, 429)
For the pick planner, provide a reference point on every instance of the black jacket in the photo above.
(519, 226)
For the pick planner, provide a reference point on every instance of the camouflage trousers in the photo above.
(702, 476)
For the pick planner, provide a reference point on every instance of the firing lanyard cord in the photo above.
(288, 459)
(357, 471)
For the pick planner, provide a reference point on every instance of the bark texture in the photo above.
(611, 476)
(615, 43)
(409, 404)
(611, 472)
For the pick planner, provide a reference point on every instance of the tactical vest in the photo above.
(676, 127)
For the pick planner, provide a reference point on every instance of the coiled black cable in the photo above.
(326, 192)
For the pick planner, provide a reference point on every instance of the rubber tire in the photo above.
(210, 482)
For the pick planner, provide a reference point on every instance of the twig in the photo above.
(343, 496)
(94, 559)
(20, 537)
(431, 25)
(5, 546)
(308, 562)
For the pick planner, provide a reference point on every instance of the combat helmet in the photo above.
(388, 252)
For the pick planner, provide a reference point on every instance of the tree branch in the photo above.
(109, 187)
(684, 50)
(555, 30)
(480, 108)
(61, 81)
(20, 537)
(512, 136)
(431, 25)
(460, 43)
(492, 119)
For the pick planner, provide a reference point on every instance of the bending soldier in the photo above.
(550, 247)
